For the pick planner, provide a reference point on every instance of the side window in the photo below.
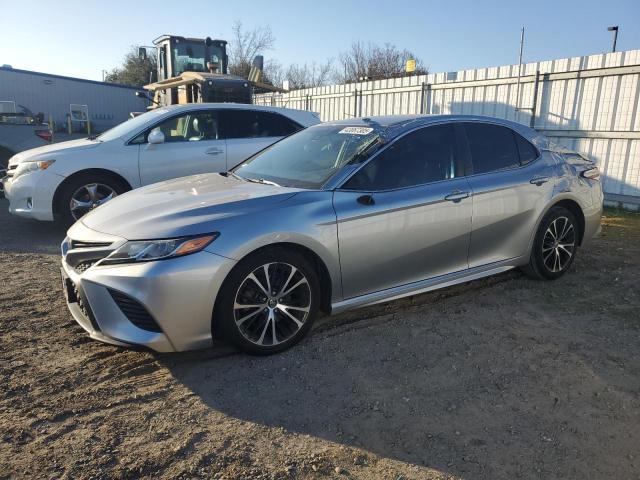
(283, 126)
(528, 152)
(256, 124)
(492, 147)
(190, 127)
(424, 156)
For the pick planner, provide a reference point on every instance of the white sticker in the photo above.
(357, 130)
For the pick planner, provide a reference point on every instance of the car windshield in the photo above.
(132, 125)
(310, 157)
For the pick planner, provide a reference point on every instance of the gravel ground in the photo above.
(499, 378)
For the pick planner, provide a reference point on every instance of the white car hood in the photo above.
(49, 151)
(183, 206)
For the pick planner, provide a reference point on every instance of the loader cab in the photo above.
(177, 55)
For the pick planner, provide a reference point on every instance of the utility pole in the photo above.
(104, 72)
(614, 29)
(519, 69)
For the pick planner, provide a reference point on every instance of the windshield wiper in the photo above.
(230, 173)
(261, 180)
(94, 137)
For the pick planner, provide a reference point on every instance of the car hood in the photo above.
(183, 206)
(49, 151)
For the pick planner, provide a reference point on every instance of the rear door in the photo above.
(511, 183)
(191, 145)
(249, 131)
(406, 215)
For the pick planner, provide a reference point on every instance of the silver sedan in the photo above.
(335, 217)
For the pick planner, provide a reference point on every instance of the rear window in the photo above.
(527, 152)
(255, 124)
(495, 147)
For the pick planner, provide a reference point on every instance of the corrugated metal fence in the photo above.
(588, 103)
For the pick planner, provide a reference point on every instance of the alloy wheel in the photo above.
(558, 244)
(272, 304)
(88, 197)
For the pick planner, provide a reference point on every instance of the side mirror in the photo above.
(141, 94)
(155, 136)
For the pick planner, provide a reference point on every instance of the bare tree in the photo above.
(375, 62)
(273, 73)
(309, 76)
(245, 45)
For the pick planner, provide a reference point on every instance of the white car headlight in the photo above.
(31, 166)
(148, 250)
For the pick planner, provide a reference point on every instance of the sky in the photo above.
(82, 38)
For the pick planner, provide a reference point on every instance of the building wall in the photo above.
(109, 104)
(588, 103)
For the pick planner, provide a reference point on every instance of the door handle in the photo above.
(213, 151)
(539, 180)
(456, 196)
(366, 200)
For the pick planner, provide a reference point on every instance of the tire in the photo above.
(81, 187)
(552, 257)
(252, 329)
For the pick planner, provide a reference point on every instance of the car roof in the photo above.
(391, 126)
(304, 117)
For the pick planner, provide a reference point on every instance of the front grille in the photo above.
(76, 295)
(80, 244)
(81, 255)
(135, 312)
(83, 266)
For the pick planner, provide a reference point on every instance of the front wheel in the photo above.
(555, 245)
(268, 302)
(84, 193)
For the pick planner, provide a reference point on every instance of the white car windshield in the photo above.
(132, 125)
(310, 157)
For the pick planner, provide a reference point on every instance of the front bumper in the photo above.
(178, 293)
(31, 195)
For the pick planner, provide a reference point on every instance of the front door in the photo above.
(191, 145)
(406, 215)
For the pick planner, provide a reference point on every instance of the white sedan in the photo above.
(66, 180)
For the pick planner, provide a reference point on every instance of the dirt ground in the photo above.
(499, 378)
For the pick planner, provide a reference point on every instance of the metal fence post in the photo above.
(355, 102)
(534, 106)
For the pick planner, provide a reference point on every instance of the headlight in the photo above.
(31, 166)
(148, 250)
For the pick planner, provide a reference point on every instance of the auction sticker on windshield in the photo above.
(357, 130)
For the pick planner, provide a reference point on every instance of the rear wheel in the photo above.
(268, 302)
(86, 192)
(555, 245)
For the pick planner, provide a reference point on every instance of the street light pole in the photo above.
(614, 29)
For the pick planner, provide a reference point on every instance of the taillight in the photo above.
(44, 134)
(591, 174)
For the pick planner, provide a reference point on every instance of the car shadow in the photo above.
(387, 379)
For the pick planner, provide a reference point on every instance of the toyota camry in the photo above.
(337, 216)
